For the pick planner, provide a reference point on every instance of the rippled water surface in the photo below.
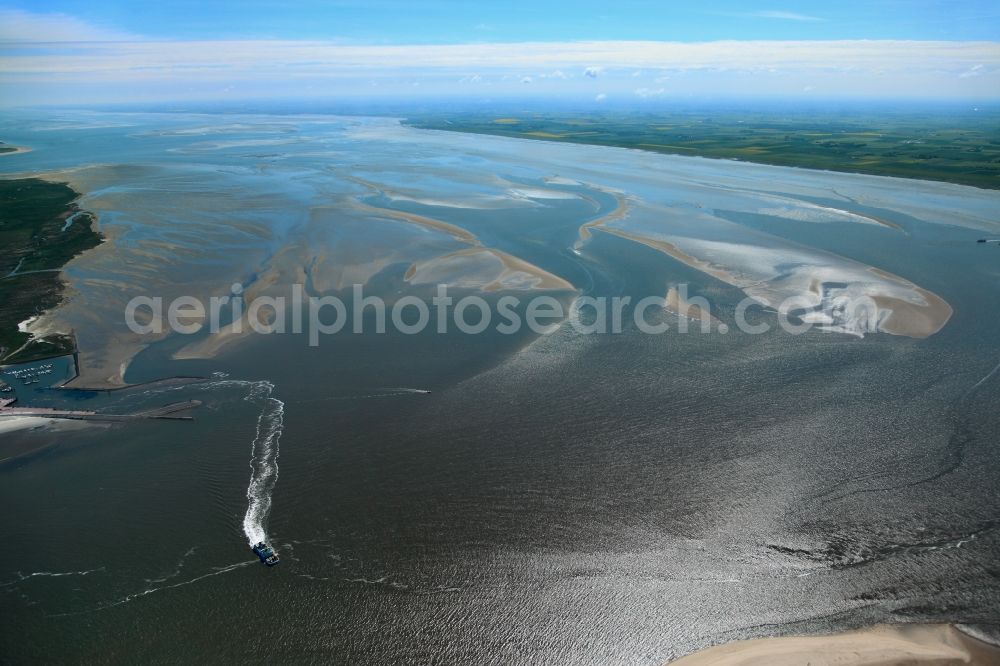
(564, 498)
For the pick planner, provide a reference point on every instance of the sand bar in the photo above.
(678, 305)
(619, 212)
(455, 231)
(491, 270)
(921, 315)
(899, 645)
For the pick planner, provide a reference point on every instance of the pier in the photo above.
(170, 412)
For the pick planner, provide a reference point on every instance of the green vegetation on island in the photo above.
(5, 148)
(956, 147)
(41, 229)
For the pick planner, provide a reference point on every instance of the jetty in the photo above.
(171, 412)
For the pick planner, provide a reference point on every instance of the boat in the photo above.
(266, 554)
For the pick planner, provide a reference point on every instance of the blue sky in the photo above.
(616, 51)
(456, 21)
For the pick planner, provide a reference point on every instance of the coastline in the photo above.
(727, 155)
(880, 645)
(40, 238)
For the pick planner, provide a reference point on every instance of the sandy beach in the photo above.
(916, 645)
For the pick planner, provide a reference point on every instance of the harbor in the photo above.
(39, 381)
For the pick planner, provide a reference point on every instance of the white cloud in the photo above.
(107, 65)
(525, 79)
(18, 26)
(259, 56)
(600, 97)
(784, 16)
(975, 70)
(650, 92)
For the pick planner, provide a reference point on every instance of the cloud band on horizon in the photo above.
(121, 68)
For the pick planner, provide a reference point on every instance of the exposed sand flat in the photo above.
(537, 193)
(673, 251)
(102, 366)
(444, 198)
(478, 268)
(619, 212)
(486, 269)
(682, 308)
(105, 371)
(903, 317)
(337, 262)
(914, 322)
(456, 232)
(793, 208)
(241, 219)
(899, 645)
(808, 212)
(341, 272)
(561, 180)
(211, 345)
(822, 282)
(343, 249)
(462, 203)
(85, 178)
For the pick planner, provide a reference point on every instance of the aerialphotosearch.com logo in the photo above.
(472, 314)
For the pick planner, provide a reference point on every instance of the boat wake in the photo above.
(215, 571)
(48, 574)
(177, 570)
(263, 460)
(992, 372)
(264, 449)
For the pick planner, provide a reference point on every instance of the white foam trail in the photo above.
(49, 574)
(177, 570)
(403, 389)
(216, 571)
(981, 381)
(263, 460)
